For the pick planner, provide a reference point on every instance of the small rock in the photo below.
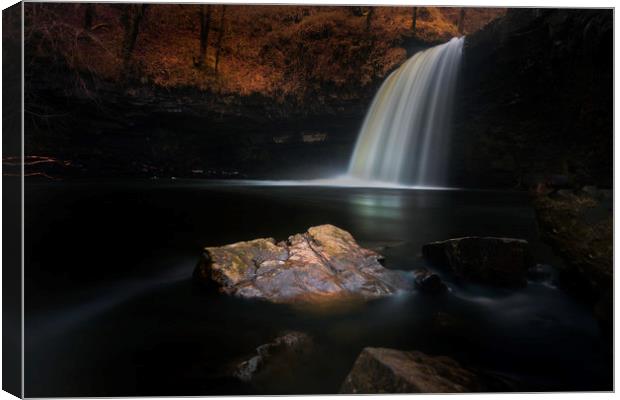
(428, 282)
(490, 260)
(289, 345)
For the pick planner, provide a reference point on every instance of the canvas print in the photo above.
(229, 199)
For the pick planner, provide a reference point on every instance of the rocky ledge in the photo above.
(324, 263)
(382, 370)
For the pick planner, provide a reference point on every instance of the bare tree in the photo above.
(371, 11)
(131, 15)
(461, 20)
(89, 16)
(414, 20)
(205, 21)
(220, 37)
(356, 11)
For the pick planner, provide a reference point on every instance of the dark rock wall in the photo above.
(131, 129)
(536, 100)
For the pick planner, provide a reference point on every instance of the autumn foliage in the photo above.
(277, 51)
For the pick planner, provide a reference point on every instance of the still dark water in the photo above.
(111, 310)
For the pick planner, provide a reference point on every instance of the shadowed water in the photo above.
(111, 309)
(405, 135)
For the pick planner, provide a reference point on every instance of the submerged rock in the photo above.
(324, 263)
(290, 346)
(428, 282)
(492, 260)
(382, 370)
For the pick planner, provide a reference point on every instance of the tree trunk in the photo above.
(414, 20)
(461, 20)
(369, 18)
(357, 11)
(89, 16)
(220, 37)
(205, 21)
(131, 16)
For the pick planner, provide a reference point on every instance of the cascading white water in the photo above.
(405, 135)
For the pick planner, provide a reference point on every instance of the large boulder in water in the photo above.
(324, 263)
(381, 370)
(492, 260)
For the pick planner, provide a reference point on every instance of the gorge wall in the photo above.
(536, 101)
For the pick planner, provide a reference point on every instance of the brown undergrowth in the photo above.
(277, 51)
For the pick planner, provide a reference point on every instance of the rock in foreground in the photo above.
(284, 350)
(491, 260)
(324, 263)
(381, 370)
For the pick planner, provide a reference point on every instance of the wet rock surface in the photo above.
(489, 260)
(324, 263)
(428, 282)
(283, 352)
(382, 370)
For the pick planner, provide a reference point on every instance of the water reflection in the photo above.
(102, 299)
(383, 205)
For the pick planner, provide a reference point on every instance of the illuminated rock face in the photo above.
(324, 263)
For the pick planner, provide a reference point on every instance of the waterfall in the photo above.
(405, 136)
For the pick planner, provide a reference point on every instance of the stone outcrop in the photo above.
(382, 370)
(324, 263)
(295, 345)
(490, 260)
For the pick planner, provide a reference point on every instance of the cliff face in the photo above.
(536, 100)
